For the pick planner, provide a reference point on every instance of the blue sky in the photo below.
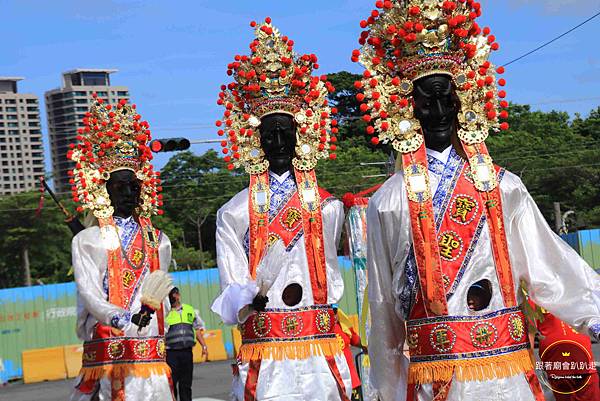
(173, 54)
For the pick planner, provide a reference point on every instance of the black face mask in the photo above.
(436, 108)
(124, 190)
(278, 141)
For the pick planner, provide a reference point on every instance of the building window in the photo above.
(80, 93)
(10, 101)
(12, 117)
(95, 78)
(32, 101)
(13, 125)
(14, 109)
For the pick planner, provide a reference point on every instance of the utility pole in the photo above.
(558, 224)
(26, 266)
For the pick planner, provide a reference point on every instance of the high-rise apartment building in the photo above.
(66, 108)
(21, 148)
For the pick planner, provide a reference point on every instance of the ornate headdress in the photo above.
(114, 138)
(405, 40)
(274, 79)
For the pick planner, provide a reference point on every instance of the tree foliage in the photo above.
(44, 235)
(557, 159)
(194, 188)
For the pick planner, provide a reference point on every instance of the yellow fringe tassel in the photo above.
(366, 361)
(144, 370)
(280, 350)
(474, 369)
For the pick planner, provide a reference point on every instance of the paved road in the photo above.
(212, 382)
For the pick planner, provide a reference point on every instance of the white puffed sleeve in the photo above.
(164, 252)
(237, 287)
(559, 280)
(89, 259)
(389, 366)
(164, 258)
(333, 223)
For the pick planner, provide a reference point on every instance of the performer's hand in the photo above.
(259, 303)
(205, 351)
(143, 317)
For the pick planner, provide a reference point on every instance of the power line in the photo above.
(552, 41)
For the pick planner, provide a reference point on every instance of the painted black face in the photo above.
(436, 108)
(124, 190)
(278, 141)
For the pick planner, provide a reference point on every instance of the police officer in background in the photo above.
(184, 328)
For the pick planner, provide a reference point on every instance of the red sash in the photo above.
(287, 325)
(111, 354)
(124, 273)
(441, 254)
(123, 350)
(301, 215)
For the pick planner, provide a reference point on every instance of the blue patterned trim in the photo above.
(430, 320)
(123, 361)
(594, 330)
(469, 355)
(105, 282)
(408, 294)
(445, 189)
(315, 337)
(435, 165)
(128, 228)
(120, 320)
(301, 309)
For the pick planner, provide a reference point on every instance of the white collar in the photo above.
(280, 178)
(441, 156)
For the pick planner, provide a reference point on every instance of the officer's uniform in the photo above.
(180, 339)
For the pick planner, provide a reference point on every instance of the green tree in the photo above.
(191, 258)
(195, 187)
(348, 172)
(557, 160)
(42, 239)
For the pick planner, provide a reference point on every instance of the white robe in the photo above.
(90, 262)
(558, 279)
(289, 380)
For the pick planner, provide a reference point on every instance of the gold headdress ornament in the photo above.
(274, 79)
(405, 40)
(114, 138)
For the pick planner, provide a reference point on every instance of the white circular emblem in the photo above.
(254, 121)
(404, 126)
(300, 118)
